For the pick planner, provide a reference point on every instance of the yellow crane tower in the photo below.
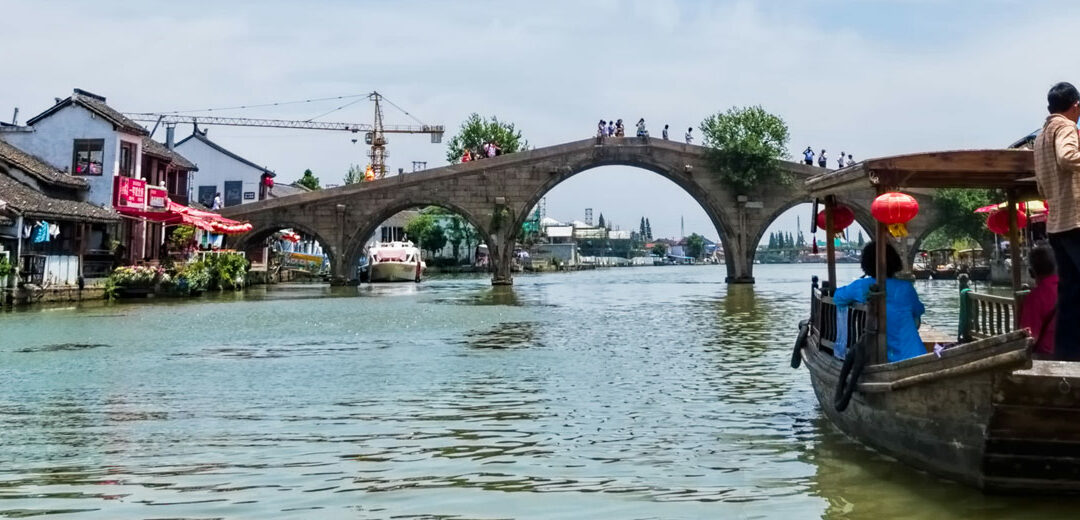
(374, 134)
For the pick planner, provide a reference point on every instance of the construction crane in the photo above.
(374, 134)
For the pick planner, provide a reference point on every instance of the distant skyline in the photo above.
(871, 78)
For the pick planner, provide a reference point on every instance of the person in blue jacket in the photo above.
(903, 310)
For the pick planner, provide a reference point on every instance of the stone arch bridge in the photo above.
(496, 195)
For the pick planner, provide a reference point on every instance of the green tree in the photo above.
(426, 231)
(957, 218)
(745, 145)
(309, 181)
(476, 131)
(648, 230)
(354, 175)
(862, 240)
(659, 249)
(641, 229)
(800, 242)
(695, 245)
(600, 223)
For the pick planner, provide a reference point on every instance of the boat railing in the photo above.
(986, 315)
(823, 312)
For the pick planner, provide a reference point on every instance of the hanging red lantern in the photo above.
(998, 222)
(842, 217)
(895, 209)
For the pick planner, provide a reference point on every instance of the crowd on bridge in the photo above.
(615, 128)
(486, 150)
(823, 158)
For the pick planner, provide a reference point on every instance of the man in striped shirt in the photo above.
(1057, 171)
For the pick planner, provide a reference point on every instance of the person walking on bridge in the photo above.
(1057, 172)
(611, 128)
(690, 135)
(665, 132)
(601, 129)
(822, 160)
(641, 132)
(808, 156)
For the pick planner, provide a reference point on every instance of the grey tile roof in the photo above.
(284, 190)
(39, 168)
(156, 149)
(32, 203)
(97, 105)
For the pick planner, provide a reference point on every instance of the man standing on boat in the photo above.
(1057, 170)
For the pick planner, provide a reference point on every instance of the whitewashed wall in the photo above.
(215, 168)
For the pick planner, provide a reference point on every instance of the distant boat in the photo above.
(398, 261)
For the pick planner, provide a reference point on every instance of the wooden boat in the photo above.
(981, 412)
(942, 266)
(974, 263)
(920, 268)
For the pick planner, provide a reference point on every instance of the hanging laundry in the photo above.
(26, 231)
(54, 230)
(41, 233)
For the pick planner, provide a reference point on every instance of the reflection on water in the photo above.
(628, 393)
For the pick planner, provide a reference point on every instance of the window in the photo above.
(127, 159)
(88, 156)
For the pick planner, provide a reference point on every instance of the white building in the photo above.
(86, 138)
(238, 180)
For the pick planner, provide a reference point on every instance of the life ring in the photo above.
(800, 341)
(848, 381)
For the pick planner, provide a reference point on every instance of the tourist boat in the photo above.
(942, 266)
(973, 262)
(398, 261)
(920, 268)
(980, 412)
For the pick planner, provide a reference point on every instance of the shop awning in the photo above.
(179, 214)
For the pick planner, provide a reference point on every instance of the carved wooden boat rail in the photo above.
(824, 312)
(987, 315)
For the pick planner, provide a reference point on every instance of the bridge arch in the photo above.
(366, 227)
(681, 177)
(257, 236)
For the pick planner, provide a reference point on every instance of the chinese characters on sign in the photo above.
(129, 192)
(157, 197)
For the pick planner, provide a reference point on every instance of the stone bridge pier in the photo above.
(496, 196)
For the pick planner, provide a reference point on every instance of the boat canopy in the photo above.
(1002, 169)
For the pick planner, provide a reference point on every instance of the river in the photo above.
(650, 392)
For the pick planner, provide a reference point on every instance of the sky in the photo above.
(869, 77)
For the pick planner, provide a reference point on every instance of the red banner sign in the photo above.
(129, 192)
(157, 197)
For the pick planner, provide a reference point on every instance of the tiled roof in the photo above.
(38, 168)
(32, 203)
(156, 149)
(201, 136)
(284, 190)
(97, 105)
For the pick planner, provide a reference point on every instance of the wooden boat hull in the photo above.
(959, 416)
(921, 274)
(944, 274)
(979, 273)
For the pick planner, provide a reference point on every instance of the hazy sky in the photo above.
(868, 77)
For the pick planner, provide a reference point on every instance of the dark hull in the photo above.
(976, 415)
(944, 274)
(980, 273)
(921, 274)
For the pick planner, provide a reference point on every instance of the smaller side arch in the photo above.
(260, 233)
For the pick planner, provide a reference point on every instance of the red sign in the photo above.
(156, 197)
(129, 192)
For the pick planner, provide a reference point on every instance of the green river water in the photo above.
(627, 393)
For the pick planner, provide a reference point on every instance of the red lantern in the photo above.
(895, 209)
(998, 222)
(842, 217)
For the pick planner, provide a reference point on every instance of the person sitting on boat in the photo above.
(1039, 312)
(903, 310)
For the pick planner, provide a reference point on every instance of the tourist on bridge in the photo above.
(601, 129)
(620, 131)
(850, 160)
(808, 156)
(840, 161)
(216, 205)
(611, 128)
(467, 156)
(689, 135)
(665, 132)
(641, 132)
(903, 310)
(822, 160)
(1057, 172)
(1039, 313)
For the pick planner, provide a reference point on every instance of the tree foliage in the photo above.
(745, 145)
(355, 174)
(424, 229)
(309, 181)
(659, 249)
(695, 245)
(956, 214)
(476, 131)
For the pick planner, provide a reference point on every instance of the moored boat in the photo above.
(398, 261)
(920, 268)
(979, 412)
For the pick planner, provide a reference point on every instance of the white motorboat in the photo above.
(398, 261)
